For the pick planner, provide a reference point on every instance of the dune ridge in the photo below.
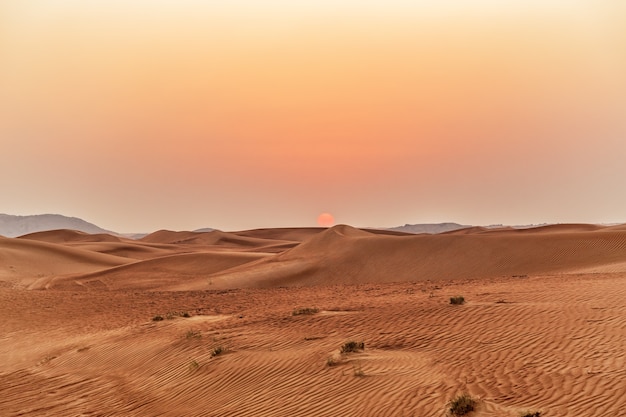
(344, 255)
(315, 256)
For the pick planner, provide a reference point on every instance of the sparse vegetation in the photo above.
(216, 351)
(193, 334)
(530, 414)
(352, 346)
(193, 365)
(461, 405)
(331, 361)
(170, 315)
(458, 300)
(358, 371)
(304, 311)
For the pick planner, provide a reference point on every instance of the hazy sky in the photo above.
(146, 114)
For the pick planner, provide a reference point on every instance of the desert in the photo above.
(256, 322)
(312, 208)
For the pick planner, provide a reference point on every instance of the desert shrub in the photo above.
(306, 310)
(530, 414)
(458, 300)
(193, 334)
(193, 365)
(170, 315)
(358, 371)
(352, 346)
(331, 361)
(216, 351)
(461, 405)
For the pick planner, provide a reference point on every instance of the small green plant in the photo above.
(304, 311)
(458, 300)
(157, 318)
(216, 351)
(352, 346)
(530, 414)
(461, 405)
(193, 334)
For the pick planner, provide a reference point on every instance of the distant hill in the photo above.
(428, 228)
(13, 226)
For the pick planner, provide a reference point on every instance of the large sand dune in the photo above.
(542, 329)
(344, 255)
(339, 255)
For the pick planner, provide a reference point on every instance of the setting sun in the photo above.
(325, 220)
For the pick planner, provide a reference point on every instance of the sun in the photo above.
(325, 220)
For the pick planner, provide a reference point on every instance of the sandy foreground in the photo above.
(542, 329)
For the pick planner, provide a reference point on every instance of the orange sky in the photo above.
(138, 114)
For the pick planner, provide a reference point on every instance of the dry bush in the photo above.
(352, 346)
(304, 311)
(458, 300)
(461, 405)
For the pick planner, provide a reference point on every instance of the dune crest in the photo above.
(315, 256)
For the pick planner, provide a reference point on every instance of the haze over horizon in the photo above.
(140, 115)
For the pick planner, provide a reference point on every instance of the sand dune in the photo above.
(218, 238)
(168, 236)
(130, 250)
(293, 234)
(157, 273)
(467, 231)
(542, 328)
(64, 236)
(26, 262)
(344, 255)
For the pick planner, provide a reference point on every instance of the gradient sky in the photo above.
(139, 115)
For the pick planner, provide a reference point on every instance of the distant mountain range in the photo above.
(428, 228)
(13, 226)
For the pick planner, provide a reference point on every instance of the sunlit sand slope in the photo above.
(159, 273)
(27, 262)
(264, 258)
(350, 256)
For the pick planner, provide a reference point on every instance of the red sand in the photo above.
(542, 329)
